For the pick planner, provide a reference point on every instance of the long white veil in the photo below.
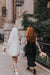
(13, 34)
(13, 42)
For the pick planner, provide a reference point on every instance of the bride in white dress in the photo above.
(13, 46)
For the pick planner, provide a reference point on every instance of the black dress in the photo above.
(30, 52)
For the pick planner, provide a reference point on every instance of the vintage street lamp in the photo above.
(19, 2)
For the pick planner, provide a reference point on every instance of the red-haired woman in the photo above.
(31, 49)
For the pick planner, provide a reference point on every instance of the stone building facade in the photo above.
(12, 13)
(4, 3)
(2, 19)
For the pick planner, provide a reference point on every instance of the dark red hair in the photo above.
(30, 35)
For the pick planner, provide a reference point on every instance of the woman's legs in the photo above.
(14, 59)
(31, 66)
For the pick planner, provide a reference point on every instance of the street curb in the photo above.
(43, 67)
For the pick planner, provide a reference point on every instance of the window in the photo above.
(4, 11)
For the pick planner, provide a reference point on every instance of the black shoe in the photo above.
(13, 70)
(28, 68)
(34, 71)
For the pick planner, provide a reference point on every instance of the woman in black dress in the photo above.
(31, 49)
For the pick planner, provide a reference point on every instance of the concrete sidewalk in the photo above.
(6, 64)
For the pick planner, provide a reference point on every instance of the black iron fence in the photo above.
(45, 47)
(1, 37)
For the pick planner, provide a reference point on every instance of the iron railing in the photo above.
(45, 47)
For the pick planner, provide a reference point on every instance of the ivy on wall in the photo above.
(42, 14)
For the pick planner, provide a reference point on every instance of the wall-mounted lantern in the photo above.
(19, 2)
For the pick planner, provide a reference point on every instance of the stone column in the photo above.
(29, 6)
(6, 10)
(18, 11)
(10, 11)
(9, 19)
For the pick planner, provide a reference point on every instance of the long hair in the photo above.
(30, 34)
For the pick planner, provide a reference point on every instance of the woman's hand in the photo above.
(42, 54)
(40, 50)
(4, 49)
(20, 42)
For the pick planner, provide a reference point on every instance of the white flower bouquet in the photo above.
(4, 49)
(42, 54)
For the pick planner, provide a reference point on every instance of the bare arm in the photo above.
(38, 46)
(25, 42)
(19, 37)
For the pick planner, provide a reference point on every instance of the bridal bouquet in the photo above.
(42, 54)
(4, 48)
